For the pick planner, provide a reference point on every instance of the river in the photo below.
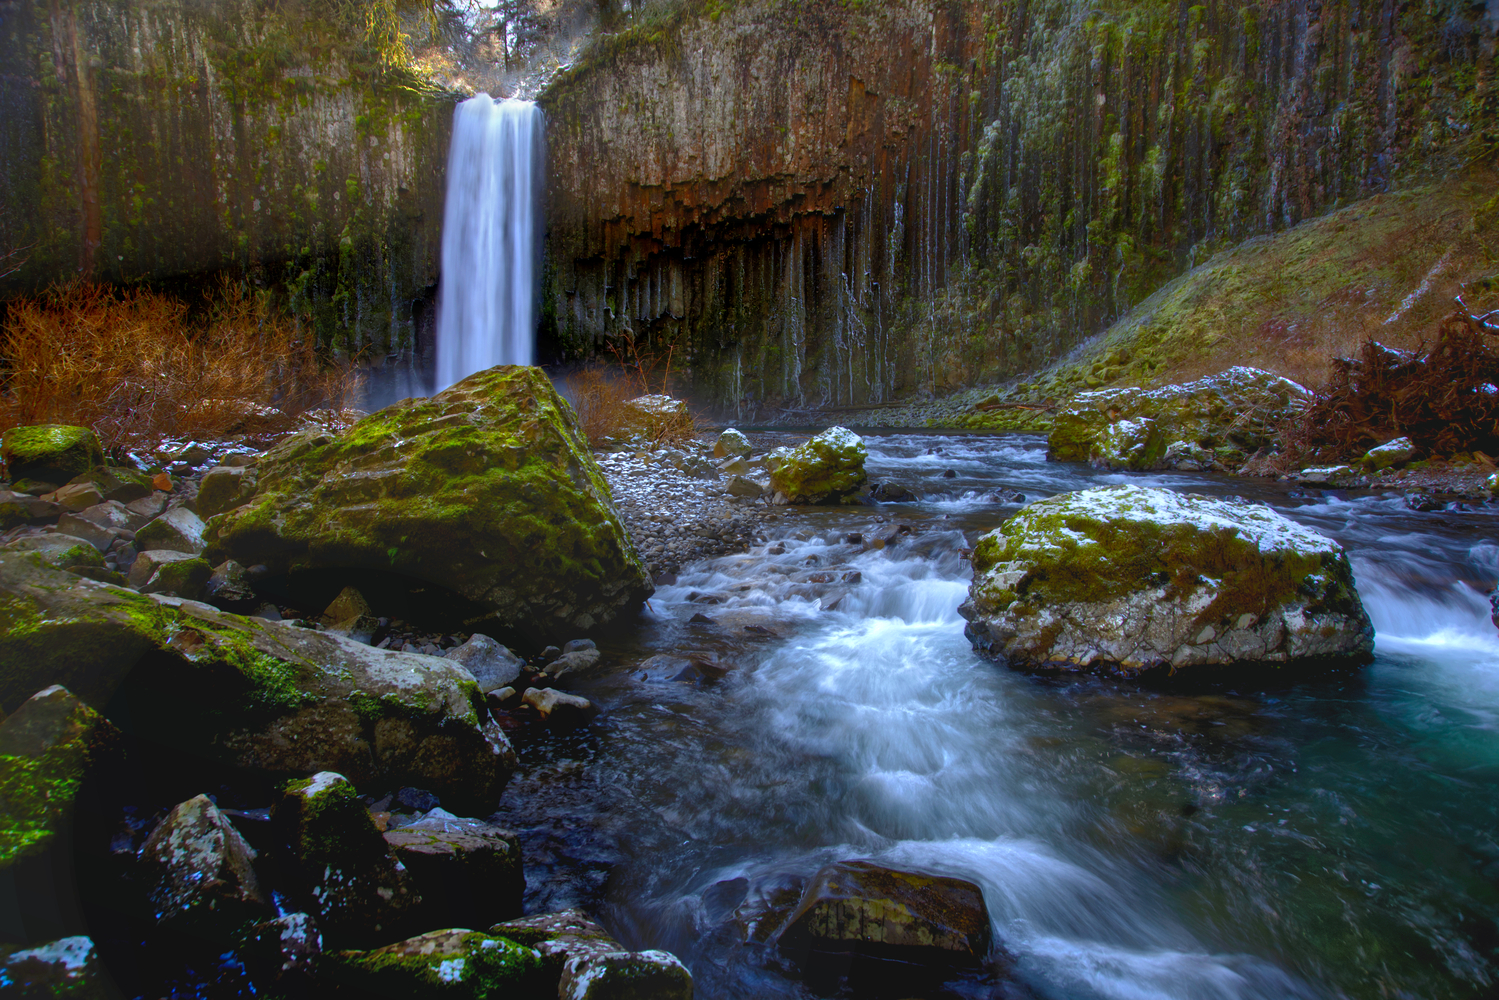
(1334, 836)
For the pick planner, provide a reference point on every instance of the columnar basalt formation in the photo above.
(834, 203)
(178, 139)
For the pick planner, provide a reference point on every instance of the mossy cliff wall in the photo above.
(844, 202)
(152, 139)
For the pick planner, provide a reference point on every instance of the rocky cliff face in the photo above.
(163, 138)
(832, 203)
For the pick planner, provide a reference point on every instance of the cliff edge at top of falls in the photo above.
(837, 204)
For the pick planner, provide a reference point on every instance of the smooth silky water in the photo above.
(1333, 837)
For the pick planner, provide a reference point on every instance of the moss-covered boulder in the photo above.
(56, 550)
(201, 873)
(583, 962)
(116, 482)
(225, 487)
(824, 470)
(352, 881)
(458, 963)
(1126, 579)
(250, 693)
(856, 909)
(50, 453)
(1214, 422)
(487, 489)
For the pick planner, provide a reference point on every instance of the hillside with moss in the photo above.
(838, 204)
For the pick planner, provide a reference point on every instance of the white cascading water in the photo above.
(491, 238)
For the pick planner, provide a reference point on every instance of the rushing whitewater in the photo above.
(491, 237)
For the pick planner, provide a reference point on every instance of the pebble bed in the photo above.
(675, 505)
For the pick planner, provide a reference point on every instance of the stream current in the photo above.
(1335, 836)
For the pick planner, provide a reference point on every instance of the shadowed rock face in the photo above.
(838, 202)
(856, 908)
(486, 489)
(1126, 579)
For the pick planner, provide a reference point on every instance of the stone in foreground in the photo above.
(1213, 423)
(359, 891)
(467, 871)
(487, 489)
(66, 969)
(456, 963)
(1125, 579)
(858, 910)
(824, 470)
(585, 963)
(202, 872)
(247, 692)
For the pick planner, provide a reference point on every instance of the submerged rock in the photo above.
(487, 489)
(202, 871)
(1127, 579)
(859, 910)
(359, 891)
(1214, 422)
(826, 469)
(51, 453)
(248, 692)
(458, 963)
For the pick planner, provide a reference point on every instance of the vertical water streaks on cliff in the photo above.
(177, 138)
(861, 199)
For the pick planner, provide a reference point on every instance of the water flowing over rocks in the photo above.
(486, 489)
(1214, 423)
(1131, 579)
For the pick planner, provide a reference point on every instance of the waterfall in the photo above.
(491, 238)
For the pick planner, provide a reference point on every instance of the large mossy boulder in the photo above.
(458, 963)
(1126, 579)
(487, 489)
(246, 692)
(1212, 423)
(50, 453)
(823, 470)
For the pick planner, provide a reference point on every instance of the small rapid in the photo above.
(1302, 842)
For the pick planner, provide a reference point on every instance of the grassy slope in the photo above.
(1386, 267)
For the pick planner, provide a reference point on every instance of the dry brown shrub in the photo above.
(139, 366)
(601, 395)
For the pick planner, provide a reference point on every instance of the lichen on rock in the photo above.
(487, 489)
(455, 963)
(1126, 579)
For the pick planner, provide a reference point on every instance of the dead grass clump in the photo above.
(138, 365)
(1444, 397)
(602, 395)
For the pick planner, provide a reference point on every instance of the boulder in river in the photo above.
(825, 469)
(857, 910)
(487, 489)
(457, 963)
(1126, 579)
(1215, 422)
(247, 692)
(731, 443)
(585, 963)
(492, 664)
(50, 453)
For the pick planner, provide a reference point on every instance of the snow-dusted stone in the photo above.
(1125, 579)
(825, 469)
(731, 444)
(1329, 475)
(1228, 415)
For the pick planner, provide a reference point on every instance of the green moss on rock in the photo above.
(50, 453)
(487, 489)
(446, 963)
(826, 469)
